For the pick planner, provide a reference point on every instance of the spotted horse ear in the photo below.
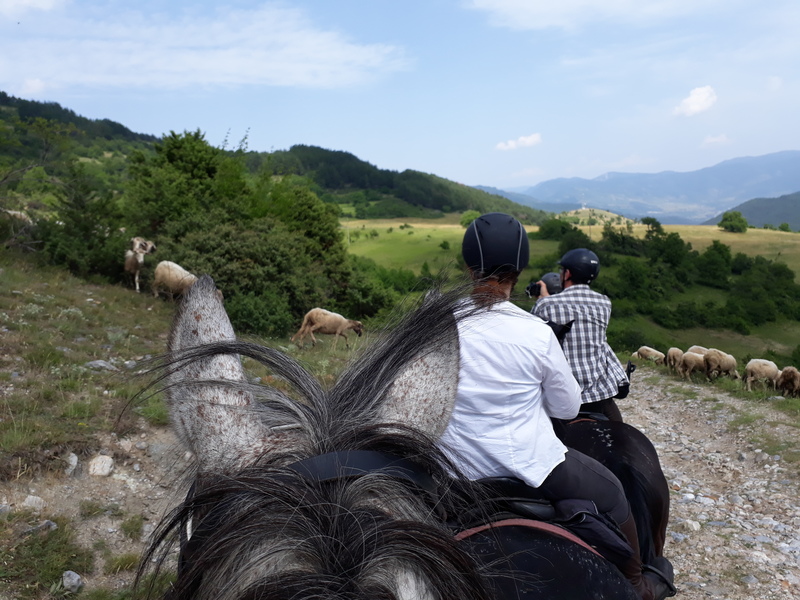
(423, 394)
(213, 410)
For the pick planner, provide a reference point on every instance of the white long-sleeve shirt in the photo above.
(513, 377)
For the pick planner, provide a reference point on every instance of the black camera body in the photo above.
(551, 280)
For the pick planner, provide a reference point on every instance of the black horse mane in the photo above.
(268, 532)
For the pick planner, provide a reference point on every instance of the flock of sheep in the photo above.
(170, 276)
(715, 363)
(175, 280)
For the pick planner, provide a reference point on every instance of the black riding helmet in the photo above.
(583, 264)
(495, 243)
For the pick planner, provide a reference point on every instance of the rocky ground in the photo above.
(735, 522)
(734, 528)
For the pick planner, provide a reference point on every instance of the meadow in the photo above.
(410, 243)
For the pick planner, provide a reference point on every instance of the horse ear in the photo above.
(211, 408)
(423, 394)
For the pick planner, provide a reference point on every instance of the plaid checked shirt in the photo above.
(593, 363)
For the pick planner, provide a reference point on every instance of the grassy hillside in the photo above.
(411, 243)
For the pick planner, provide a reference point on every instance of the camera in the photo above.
(551, 280)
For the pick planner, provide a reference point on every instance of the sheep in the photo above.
(674, 357)
(173, 277)
(720, 363)
(759, 369)
(690, 362)
(788, 382)
(648, 353)
(698, 349)
(18, 215)
(320, 320)
(134, 257)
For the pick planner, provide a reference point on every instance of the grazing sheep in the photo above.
(759, 369)
(134, 257)
(720, 363)
(18, 215)
(674, 357)
(320, 320)
(698, 349)
(690, 362)
(648, 353)
(789, 382)
(173, 277)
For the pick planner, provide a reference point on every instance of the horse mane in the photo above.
(261, 530)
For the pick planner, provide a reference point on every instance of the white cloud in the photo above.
(31, 88)
(567, 14)
(520, 142)
(271, 45)
(774, 84)
(716, 140)
(699, 100)
(17, 7)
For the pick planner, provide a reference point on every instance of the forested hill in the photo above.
(359, 188)
(373, 193)
(770, 212)
(29, 110)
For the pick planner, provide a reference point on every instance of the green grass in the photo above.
(132, 527)
(35, 562)
(123, 562)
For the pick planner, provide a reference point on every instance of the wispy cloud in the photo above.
(271, 45)
(716, 140)
(699, 100)
(18, 7)
(568, 14)
(520, 142)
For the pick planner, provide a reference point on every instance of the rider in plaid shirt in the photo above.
(593, 363)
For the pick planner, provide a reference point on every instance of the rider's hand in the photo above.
(543, 293)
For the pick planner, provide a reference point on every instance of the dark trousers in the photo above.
(581, 476)
(605, 407)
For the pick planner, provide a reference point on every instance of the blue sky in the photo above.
(504, 93)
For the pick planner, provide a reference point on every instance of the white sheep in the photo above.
(760, 369)
(698, 349)
(319, 320)
(690, 362)
(173, 277)
(789, 382)
(134, 257)
(720, 363)
(674, 357)
(648, 353)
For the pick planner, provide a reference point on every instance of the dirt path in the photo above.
(734, 528)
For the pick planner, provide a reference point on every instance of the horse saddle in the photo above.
(511, 497)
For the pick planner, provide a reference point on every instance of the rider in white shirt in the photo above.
(513, 378)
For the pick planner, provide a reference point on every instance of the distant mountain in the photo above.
(769, 211)
(525, 200)
(675, 198)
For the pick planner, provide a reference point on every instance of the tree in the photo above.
(734, 222)
(186, 185)
(468, 217)
(784, 227)
(714, 265)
